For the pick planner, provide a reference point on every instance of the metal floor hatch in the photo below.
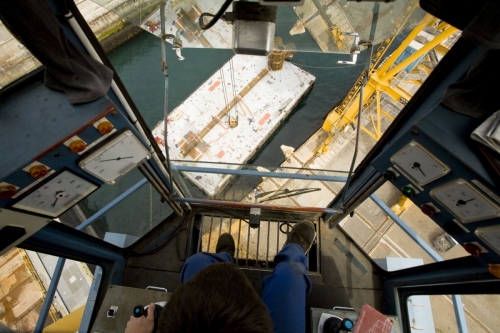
(255, 247)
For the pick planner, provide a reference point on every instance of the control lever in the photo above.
(140, 311)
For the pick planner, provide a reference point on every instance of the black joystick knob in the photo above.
(332, 325)
(337, 325)
(138, 311)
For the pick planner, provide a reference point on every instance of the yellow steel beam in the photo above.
(334, 115)
(415, 82)
(380, 80)
(426, 69)
(399, 23)
(374, 84)
(379, 132)
(427, 20)
(422, 51)
(373, 124)
(69, 323)
(377, 81)
(388, 116)
(406, 93)
(442, 25)
(370, 133)
(395, 92)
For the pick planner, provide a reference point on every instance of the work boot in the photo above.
(303, 234)
(225, 244)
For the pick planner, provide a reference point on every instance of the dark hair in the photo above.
(219, 299)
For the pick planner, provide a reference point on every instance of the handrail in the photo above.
(287, 175)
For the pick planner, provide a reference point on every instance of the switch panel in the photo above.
(50, 135)
(441, 172)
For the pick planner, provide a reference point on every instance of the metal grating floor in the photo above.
(255, 247)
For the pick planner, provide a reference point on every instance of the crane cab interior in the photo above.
(413, 230)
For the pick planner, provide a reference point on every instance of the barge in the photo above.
(231, 115)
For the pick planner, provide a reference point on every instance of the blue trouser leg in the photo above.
(199, 261)
(284, 292)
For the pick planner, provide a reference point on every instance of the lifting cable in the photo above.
(233, 86)
(358, 125)
(223, 82)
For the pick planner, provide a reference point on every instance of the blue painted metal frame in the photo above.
(60, 262)
(269, 174)
(63, 241)
(54, 281)
(457, 300)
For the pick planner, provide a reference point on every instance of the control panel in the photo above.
(54, 154)
(121, 302)
(437, 165)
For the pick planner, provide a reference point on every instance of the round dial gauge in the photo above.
(56, 195)
(464, 202)
(418, 164)
(114, 157)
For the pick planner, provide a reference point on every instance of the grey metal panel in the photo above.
(445, 134)
(126, 299)
(30, 223)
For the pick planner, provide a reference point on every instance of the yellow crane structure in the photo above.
(379, 80)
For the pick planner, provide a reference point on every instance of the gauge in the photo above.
(491, 236)
(465, 202)
(55, 195)
(114, 156)
(418, 164)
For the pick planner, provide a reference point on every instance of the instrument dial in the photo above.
(418, 164)
(56, 195)
(114, 157)
(465, 202)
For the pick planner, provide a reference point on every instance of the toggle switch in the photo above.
(112, 311)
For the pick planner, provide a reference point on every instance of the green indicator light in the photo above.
(408, 191)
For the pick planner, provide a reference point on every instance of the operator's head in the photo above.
(219, 299)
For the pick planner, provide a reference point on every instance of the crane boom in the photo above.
(382, 79)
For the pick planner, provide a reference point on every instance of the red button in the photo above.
(472, 249)
(7, 191)
(428, 210)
